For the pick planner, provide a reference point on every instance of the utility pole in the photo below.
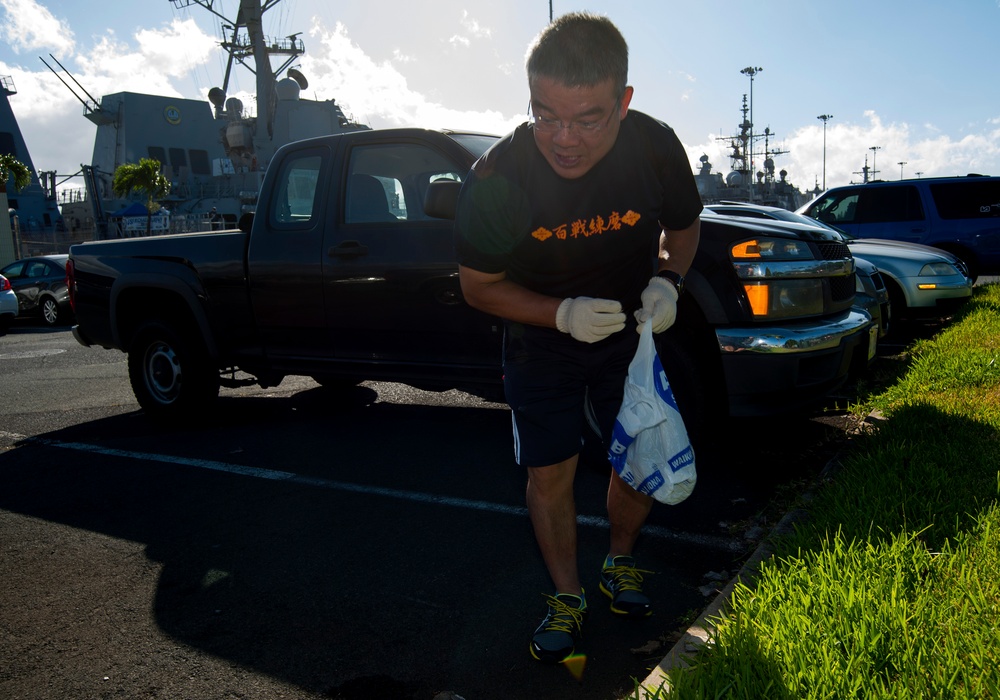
(901, 164)
(824, 118)
(751, 71)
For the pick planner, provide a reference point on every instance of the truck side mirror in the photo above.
(441, 199)
(246, 222)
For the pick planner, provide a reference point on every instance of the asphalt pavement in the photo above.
(301, 543)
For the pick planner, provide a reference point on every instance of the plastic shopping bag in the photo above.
(650, 448)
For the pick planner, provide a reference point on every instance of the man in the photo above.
(578, 221)
(216, 218)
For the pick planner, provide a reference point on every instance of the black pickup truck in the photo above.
(346, 273)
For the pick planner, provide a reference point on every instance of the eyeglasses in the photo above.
(546, 125)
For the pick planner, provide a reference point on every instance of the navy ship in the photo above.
(745, 183)
(214, 152)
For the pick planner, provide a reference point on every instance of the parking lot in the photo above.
(304, 543)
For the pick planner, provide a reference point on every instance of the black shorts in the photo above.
(549, 378)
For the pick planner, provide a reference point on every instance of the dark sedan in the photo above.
(40, 285)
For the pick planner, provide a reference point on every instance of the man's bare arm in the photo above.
(678, 247)
(497, 295)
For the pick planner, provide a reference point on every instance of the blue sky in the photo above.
(916, 79)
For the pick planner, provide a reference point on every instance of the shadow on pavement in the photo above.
(351, 594)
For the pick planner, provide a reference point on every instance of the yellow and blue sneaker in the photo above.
(622, 582)
(557, 636)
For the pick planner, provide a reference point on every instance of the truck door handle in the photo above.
(348, 249)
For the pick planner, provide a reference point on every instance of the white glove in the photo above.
(590, 320)
(659, 305)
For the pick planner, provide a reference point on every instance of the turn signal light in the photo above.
(747, 250)
(758, 295)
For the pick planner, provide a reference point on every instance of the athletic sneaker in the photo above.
(622, 582)
(556, 637)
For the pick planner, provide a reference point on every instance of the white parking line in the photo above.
(728, 544)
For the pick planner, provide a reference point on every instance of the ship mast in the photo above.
(247, 45)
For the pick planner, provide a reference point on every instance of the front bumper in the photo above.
(774, 369)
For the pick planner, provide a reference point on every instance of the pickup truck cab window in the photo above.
(386, 183)
(297, 184)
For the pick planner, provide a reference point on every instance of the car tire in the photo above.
(170, 371)
(897, 300)
(52, 314)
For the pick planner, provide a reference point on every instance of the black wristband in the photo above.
(676, 279)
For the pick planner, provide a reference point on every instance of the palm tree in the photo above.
(11, 166)
(144, 177)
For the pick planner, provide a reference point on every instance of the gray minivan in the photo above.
(957, 214)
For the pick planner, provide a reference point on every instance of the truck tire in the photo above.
(697, 387)
(170, 372)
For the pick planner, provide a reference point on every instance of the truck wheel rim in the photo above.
(163, 373)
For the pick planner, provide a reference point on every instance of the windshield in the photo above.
(476, 144)
(776, 214)
(783, 215)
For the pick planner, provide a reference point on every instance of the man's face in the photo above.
(575, 127)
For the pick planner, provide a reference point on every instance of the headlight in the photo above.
(941, 269)
(779, 278)
(771, 249)
(785, 298)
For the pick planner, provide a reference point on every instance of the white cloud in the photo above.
(399, 57)
(378, 93)
(112, 66)
(474, 28)
(44, 106)
(176, 50)
(31, 27)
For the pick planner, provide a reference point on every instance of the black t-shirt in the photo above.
(594, 236)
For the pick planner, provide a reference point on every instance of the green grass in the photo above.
(891, 587)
